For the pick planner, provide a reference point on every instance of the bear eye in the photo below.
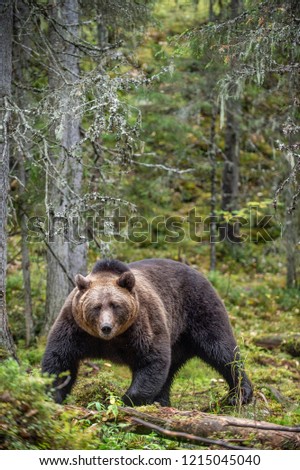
(113, 305)
(97, 309)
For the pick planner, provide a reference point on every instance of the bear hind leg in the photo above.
(224, 356)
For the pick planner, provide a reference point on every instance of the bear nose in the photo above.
(106, 328)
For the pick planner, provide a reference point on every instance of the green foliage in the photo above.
(29, 418)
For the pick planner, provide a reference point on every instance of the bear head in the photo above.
(105, 304)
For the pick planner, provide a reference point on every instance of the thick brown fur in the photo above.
(152, 315)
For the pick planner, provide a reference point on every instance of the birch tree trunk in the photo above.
(6, 21)
(63, 188)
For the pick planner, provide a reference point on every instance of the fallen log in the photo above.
(211, 430)
(288, 343)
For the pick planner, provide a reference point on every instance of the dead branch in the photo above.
(160, 166)
(184, 437)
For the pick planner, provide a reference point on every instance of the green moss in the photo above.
(97, 386)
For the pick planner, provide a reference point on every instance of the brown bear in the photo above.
(152, 315)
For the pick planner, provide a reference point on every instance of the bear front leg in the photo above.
(147, 382)
(64, 381)
(60, 361)
(65, 348)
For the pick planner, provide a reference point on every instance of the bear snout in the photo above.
(106, 328)
(107, 331)
(107, 324)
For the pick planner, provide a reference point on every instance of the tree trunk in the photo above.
(230, 172)
(102, 31)
(291, 238)
(230, 177)
(213, 193)
(235, 7)
(62, 190)
(291, 251)
(211, 11)
(25, 256)
(20, 64)
(6, 21)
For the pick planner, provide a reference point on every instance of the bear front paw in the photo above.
(240, 397)
(136, 400)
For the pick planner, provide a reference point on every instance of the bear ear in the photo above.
(82, 282)
(126, 280)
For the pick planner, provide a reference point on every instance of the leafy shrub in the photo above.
(29, 419)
